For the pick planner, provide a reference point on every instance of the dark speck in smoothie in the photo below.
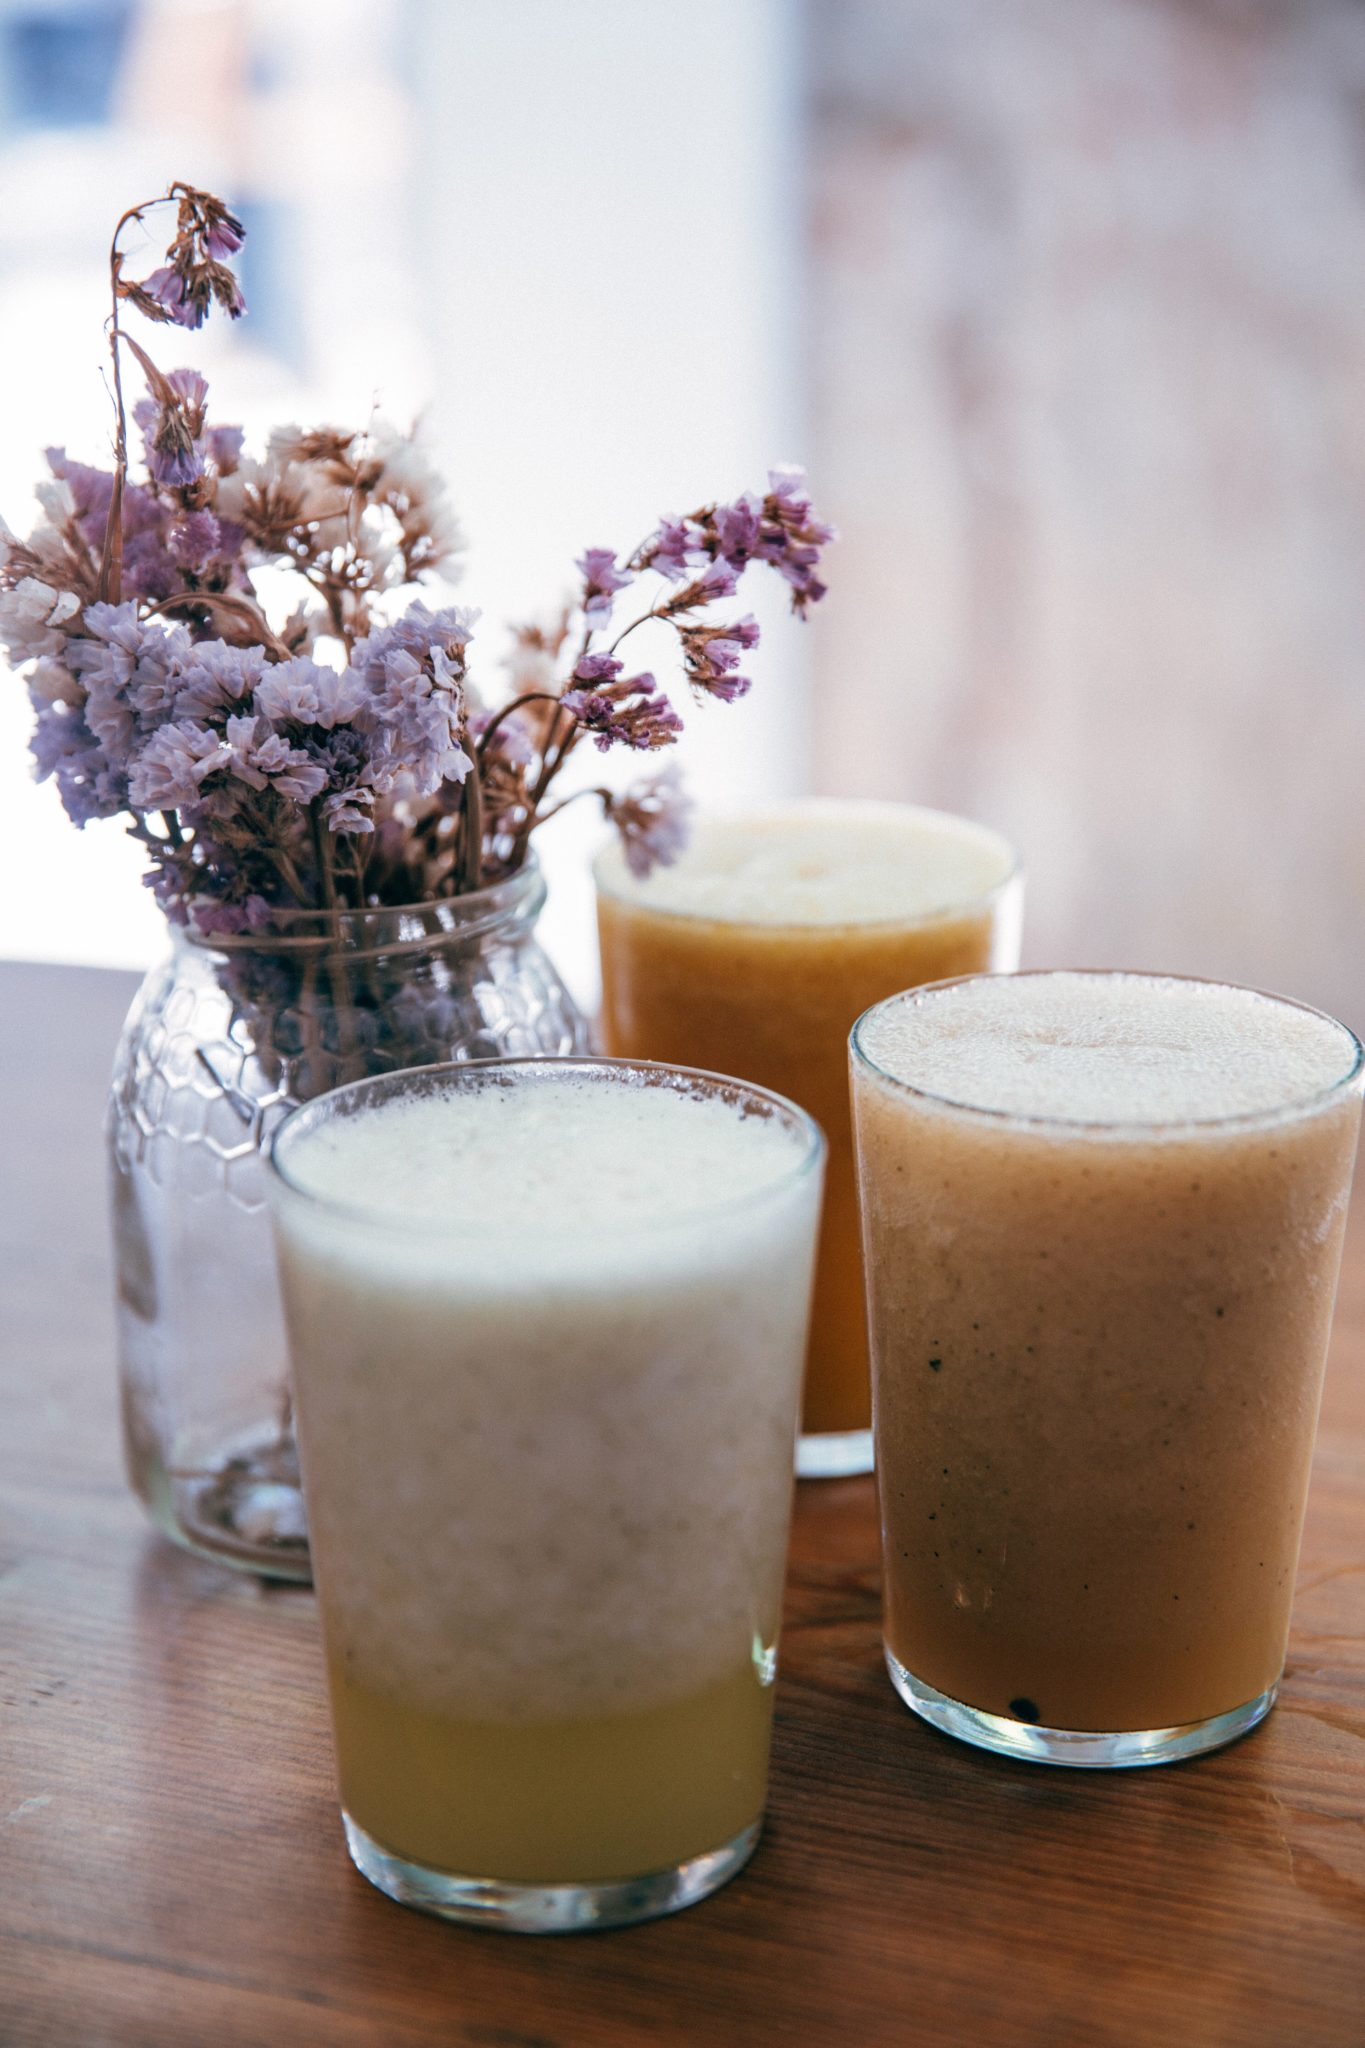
(1218, 1311)
(1024, 1709)
(935, 1364)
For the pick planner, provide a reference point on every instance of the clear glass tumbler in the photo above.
(755, 952)
(547, 1321)
(1103, 1218)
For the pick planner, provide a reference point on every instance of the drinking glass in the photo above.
(546, 1409)
(755, 952)
(1103, 1219)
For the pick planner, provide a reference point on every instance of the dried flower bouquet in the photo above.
(341, 756)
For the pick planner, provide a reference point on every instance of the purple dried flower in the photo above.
(413, 674)
(172, 425)
(91, 490)
(106, 663)
(629, 714)
(229, 919)
(219, 920)
(597, 668)
(677, 544)
(194, 541)
(240, 734)
(148, 570)
(792, 536)
(302, 692)
(215, 676)
(166, 775)
(721, 579)
(652, 819)
(225, 448)
(713, 655)
(195, 273)
(787, 485)
(166, 287)
(416, 633)
(64, 748)
(119, 642)
(601, 580)
(227, 291)
(262, 759)
(349, 812)
(734, 639)
(224, 236)
(738, 527)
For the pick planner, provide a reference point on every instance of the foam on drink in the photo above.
(510, 1157)
(1116, 1049)
(822, 863)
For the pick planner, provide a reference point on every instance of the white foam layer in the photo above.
(543, 1152)
(1120, 1049)
(822, 863)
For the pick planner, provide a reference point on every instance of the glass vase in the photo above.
(222, 1040)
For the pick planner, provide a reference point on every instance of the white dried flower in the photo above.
(30, 615)
(56, 499)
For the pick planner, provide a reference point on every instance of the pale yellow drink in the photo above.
(547, 1322)
(1103, 1220)
(754, 953)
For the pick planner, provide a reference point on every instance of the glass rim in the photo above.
(789, 807)
(1304, 1105)
(813, 1149)
(306, 929)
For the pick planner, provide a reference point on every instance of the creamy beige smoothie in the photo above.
(753, 954)
(547, 1322)
(1103, 1219)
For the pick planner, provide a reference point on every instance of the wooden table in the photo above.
(171, 1864)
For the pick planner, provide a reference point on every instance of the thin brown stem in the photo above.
(544, 817)
(111, 560)
(529, 697)
(222, 602)
(289, 874)
(471, 862)
(655, 612)
(336, 966)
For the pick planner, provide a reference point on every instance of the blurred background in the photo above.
(1059, 300)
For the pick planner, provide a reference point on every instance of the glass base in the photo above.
(547, 1908)
(834, 1454)
(1079, 1747)
(244, 1508)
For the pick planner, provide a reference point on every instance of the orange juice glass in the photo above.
(754, 954)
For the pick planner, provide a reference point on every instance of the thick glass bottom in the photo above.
(1082, 1748)
(243, 1507)
(834, 1454)
(547, 1908)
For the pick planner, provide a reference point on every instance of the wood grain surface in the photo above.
(171, 1864)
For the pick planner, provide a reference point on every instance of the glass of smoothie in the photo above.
(1103, 1219)
(754, 953)
(547, 1321)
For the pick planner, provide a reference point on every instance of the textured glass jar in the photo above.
(222, 1040)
